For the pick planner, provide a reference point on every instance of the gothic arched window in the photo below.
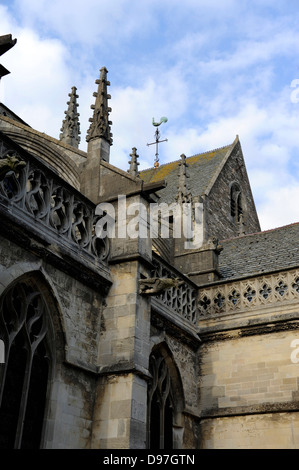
(24, 324)
(160, 405)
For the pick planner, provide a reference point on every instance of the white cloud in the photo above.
(213, 70)
(280, 207)
(133, 110)
(36, 87)
(85, 23)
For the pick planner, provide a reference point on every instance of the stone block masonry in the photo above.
(250, 380)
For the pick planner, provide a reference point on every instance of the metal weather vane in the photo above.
(157, 142)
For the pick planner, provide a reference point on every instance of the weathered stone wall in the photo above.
(69, 412)
(247, 384)
(217, 212)
(266, 431)
(120, 412)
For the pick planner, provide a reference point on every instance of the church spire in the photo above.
(70, 129)
(100, 124)
(133, 170)
(184, 194)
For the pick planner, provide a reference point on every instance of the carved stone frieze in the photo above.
(32, 189)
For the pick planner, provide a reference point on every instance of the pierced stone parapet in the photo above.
(182, 299)
(43, 201)
(244, 295)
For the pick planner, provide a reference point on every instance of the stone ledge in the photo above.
(261, 327)
(265, 408)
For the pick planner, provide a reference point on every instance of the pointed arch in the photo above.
(29, 323)
(35, 270)
(165, 400)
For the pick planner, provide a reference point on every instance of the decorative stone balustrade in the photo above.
(242, 295)
(34, 193)
(182, 299)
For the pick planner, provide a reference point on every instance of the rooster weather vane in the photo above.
(157, 142)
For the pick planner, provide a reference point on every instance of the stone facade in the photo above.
(134, 342)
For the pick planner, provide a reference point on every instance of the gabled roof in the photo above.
(259, 253)
(201, 168)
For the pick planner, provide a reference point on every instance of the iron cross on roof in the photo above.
(157, 142)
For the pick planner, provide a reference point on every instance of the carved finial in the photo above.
(184, 194)
(70, 130)
(133, 170)
(100, 124)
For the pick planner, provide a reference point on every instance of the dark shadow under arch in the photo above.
(28, 321)
(165, 399)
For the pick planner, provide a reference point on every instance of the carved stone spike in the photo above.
(133, 170)
(100, 123)
(70, 129)
(184, 194)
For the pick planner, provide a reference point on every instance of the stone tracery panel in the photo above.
(183, 299)
(247, 294)
(48, 200)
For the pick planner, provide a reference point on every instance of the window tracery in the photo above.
(24, 325)
(160, 403)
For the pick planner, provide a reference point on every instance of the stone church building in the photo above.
(139, 342)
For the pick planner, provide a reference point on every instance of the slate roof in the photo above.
(201, 169)
(271, 250)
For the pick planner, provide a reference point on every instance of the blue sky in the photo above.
(215, 68)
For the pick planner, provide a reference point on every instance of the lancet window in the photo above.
(24, 377)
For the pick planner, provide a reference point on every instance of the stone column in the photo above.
(121, 402)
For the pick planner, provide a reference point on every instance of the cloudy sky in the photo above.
(214, 68)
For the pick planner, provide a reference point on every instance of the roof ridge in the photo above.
(191, 156)
(262, 232)
(210, 151)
